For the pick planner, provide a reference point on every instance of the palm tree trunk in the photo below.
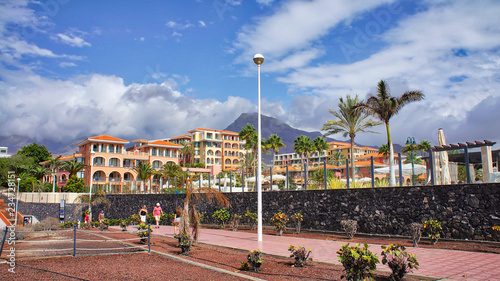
(392, 174)
(353, 164)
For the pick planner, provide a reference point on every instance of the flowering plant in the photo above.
(254, 261)
(298, 218)
(185, 242)
(252, 219)
(496, 228)
(279, 219)
(143, 231)
(300, 254)
(433, 228)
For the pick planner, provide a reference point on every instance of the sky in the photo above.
(155, 69)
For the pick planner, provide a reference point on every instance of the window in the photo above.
(153, 151)
(114, 162)
(111, 148)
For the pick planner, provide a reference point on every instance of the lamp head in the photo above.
(258, 59)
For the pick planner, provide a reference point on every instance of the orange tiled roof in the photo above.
(328, 166)
(181, 137)
(105, 137)
(160, 142)
(375, 154)
(140, 140)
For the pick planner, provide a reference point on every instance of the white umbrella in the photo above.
(276, 178)
(364, 180)
(253, 179)
(445, 170)
(406, 168)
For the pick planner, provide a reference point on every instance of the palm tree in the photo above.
(187, 151)
(424, 145)
(274, 143)
(349, 122)
(39, 172)
(190, 215)
(302, 146)
(384, 107)
(384, 150)
(54, 164)
(337, 158)
(144, 172)
(320, 145)
(73, 167)
(171, 170)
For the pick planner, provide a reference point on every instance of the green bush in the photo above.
(359, 263)
(433, 229)
(252, 219)
(279, 221)
(134, 219)
(185, 242)
(254, 261)
(143, 232)
(221, 216)
(398, 260)
(300, 254)
(67, 224)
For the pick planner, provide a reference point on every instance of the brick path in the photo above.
(444, 264)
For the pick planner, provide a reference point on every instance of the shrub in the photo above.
(185, 242)
(201, 217)
(143, 232)
(95, 224)
(47, 224)
(235, 222)
(398, 260)
(254, 261)
(221, 216)
(298, 218)
(67, 224)
(279, 220)
(416, 233)
(252, 219)
(350, 227)
(433, 228)
(104, 224)
(123, 224)
(359, 263)
(300, 254)
(134, 219)
(496, 228)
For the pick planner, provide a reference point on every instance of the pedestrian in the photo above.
(157, 212)
(143, 212)
(177, 219)
(87, 218)
(101, 216)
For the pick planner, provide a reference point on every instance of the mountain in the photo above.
(271, 126)
(14, 143)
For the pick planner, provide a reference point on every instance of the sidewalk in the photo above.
(445, 264)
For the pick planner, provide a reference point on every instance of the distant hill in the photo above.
(271, 125)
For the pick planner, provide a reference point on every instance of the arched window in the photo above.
(235, 162)
(157, 164)
(228, 162)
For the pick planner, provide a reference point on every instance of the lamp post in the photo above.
(90, 187)
(258, 59)
(410, 142)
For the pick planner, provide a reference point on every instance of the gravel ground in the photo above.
(165, 261)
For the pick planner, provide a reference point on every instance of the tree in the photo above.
(274, 143)
(54, 164)
(187, 152)
(190, 215)
(39, 172)
(144, 172)
(73, 167)
(337, 158)
(38, 152)
(349, 123)
(74, 184)
(384, 150)
(424, 146)
(302, 146)
(171, 170)
(319, 144)
(384, 107)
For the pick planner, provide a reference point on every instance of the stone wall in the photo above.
(464, 211)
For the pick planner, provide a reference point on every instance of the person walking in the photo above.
(143, 212)
(101, 216)
(157, 212)
(177, 219)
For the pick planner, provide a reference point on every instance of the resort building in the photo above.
(4, 152)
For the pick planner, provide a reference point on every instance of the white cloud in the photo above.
(265, 2)
(202, 23)
(176, 25)
(67, 64)
(84, 106)
(71, 40)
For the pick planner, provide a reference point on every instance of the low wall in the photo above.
(464, 211)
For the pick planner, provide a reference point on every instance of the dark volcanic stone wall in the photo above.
(464, 211)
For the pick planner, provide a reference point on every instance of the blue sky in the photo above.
(155, 69)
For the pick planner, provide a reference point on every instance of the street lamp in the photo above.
(410, 143)
(90, 187)
(258, 59)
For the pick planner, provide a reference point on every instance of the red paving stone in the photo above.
(444, 264)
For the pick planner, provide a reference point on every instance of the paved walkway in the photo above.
(445, 264)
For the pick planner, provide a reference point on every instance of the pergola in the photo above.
(486, 156)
